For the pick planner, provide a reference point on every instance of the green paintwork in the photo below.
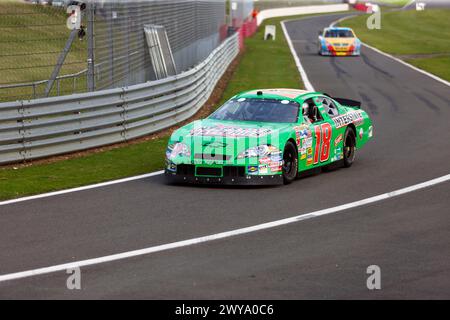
(242, 135)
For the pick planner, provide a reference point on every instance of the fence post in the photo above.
(90, 47)
(61, 59)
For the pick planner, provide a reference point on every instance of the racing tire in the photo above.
(349, 147)
(290, 163)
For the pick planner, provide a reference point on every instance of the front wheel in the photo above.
(290, 163)
(349, 147)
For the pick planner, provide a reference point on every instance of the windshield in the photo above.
(258, 110)
(338, 34)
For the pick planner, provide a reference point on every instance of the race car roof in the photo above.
(282, 93)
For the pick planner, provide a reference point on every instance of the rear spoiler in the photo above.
(348, 102)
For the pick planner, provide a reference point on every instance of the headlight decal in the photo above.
(177, 149)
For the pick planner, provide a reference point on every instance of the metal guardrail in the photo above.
(50, 126)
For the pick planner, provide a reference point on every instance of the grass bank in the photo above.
(421, 38)
(265, 64)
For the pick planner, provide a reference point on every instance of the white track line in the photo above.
(408, 65)
(93, 186)
(223, 235)
(394, 58)
(307, 83)
(408, 4)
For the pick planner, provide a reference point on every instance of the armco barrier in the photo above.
(45, 127)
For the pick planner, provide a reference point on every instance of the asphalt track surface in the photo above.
(326, 257)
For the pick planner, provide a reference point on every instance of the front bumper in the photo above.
(230, 176)
(339, 53)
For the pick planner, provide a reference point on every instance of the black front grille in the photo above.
(231, 171)
(209, 171)
(228, 171)
(186, 169)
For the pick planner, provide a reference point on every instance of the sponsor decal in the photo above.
(263, 169)
(215, 144)
(302, 150)
(337, 156)
(172, 167)
(276, 169)
(206, 161)
(230, 131)
(307, 142)
(275, 163)
(273, 149)
(252, 170)
(276, 157)
(309, 160)
(309, 151)
(305, 133)
(338, 153)
(303, 157)
(298, 138)
(338, 140)
(345, 119)
(264, 160)
(276, 166)
(361, 133)
(301, 132)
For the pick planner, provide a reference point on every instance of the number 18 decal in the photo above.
(323, 138)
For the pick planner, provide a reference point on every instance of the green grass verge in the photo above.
(439, 66)
(109, 165)
(265, 64)
(419, 34)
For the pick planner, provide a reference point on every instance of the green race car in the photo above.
(268, 136)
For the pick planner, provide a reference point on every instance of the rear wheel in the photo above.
(349, 147)
(290, 163)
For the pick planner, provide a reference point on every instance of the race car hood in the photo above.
(228, 138)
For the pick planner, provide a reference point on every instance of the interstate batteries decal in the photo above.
(345, 119)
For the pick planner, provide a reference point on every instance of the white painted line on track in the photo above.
(93, 186)
(394, 58)
(409, 3)
(306, 82)
(223, 235)
(408, 65)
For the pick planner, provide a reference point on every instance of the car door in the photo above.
(328, 140)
